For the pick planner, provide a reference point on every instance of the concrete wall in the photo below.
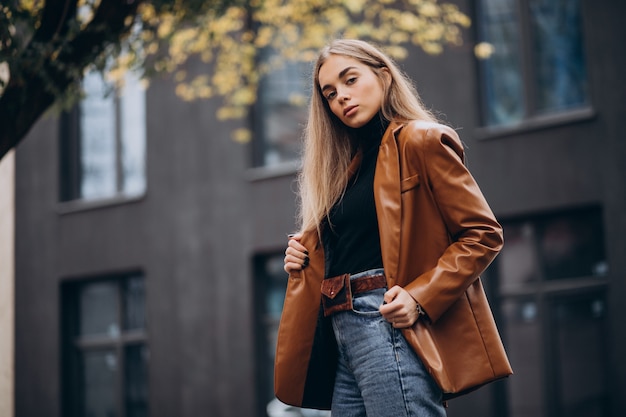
(7, 278)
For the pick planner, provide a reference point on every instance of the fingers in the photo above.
(392, 293)
(294, 243)
(294, 236)
(296, 255)
(400, 309)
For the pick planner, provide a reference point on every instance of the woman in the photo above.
(394, 230)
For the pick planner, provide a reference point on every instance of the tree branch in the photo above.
(54, 19)
(29, 93)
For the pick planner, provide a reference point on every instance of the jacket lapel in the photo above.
(388, 201)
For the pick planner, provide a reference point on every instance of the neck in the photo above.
(371, 133)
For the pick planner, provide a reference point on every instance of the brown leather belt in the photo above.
(337, 296)
(368, 283)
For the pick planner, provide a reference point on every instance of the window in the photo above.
(278, 119)
(103, 142)
(270, 284)
(105, 354)
(537, 65)
(551, 293)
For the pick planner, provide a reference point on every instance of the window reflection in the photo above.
(580, 350)
(103, 145)
(538, 62)
(98, 309)
(136, 395)
(98, 147)
(135, 304)
(270, 286)
(519, 261)
(271, 283)
(572, 245)
(105, 353)
(275, 285)
(523, 344)
(279, 120)
(99, 377)
(551, 303)
(553, 247)
(560, 72)
(502, 73)
(133, 135)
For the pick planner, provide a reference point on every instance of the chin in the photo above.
(355, 124)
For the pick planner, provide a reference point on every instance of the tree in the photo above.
(47, 46)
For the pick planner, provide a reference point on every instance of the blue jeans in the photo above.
(378, 374)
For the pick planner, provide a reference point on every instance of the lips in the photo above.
(349, 109)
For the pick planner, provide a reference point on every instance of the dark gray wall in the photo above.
(191, 236)
(606, 31)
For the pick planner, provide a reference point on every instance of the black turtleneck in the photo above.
(352, 242)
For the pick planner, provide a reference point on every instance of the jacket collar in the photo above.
(388, 200)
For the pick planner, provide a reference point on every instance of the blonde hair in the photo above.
(327, 146)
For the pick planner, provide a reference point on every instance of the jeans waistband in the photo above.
(368, 273)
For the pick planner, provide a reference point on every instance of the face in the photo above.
(353, 91)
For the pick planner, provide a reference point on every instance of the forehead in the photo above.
(333, 67)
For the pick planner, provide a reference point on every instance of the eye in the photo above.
(331, 95)
(351, 80)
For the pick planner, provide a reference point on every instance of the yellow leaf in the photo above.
(241, 135)
(429, 10)
(484, 50)
(354, 6)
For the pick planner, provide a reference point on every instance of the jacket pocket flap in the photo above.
(409, 183)
(333, 286)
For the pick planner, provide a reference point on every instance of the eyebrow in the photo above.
(341, 74)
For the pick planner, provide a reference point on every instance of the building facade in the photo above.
(149, 245)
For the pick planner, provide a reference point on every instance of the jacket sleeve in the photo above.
(475, 235)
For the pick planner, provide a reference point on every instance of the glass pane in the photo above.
(280, 119)
(97, 140)
(275, 287)
(521, 334)
(560, 71)
(270, 283)
(134, 303)
(501, 72)
(99, 303)
(580, 355)
(133, 131)
(136, 387)
(99, 382)
(518, 262)
(572, 245)
(277, 284)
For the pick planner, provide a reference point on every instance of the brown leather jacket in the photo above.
(437, 236)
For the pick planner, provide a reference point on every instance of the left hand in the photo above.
(400, 309)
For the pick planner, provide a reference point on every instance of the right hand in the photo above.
(296, 255)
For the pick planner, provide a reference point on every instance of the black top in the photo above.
(351, 240)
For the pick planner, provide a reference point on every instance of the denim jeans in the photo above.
(378, 374)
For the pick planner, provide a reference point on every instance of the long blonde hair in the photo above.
(327, 146)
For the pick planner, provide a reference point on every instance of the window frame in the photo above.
(545, 294)
(533, 119)
(74, 345)
(263, 323)
(259, 167)
(70, 172)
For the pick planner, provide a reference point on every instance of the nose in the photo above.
(343, 95)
